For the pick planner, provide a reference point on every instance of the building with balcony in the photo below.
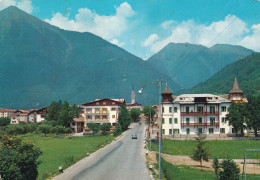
(6, 113)
(190, 114)
(99, 111)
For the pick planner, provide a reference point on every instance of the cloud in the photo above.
(107, 27)
(25, 5)
(116, 42)
(231, 30)
(166, 24)
(150, 40)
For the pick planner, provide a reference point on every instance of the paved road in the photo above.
(123, 159)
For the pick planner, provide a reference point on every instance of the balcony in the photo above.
(98, 120)
(199, 113)
(97, 112)
(200, 124)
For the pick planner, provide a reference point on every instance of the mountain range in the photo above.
(247, 72)
(190, 64)
(40, 63)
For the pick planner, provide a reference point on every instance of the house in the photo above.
(99, 111)
(19, 116)
(189, 114)
(6, 113)
(37, 116)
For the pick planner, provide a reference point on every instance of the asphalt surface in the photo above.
(120, 160)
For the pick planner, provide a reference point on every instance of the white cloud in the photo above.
(116, 42)
(25, 5)
(166, 24)
(231, 30)
(108, 27)
(150, 40)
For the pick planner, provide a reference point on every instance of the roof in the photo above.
(209, 98)
(7, 110)
(118, 101)
(235, 88)
(166, 90)
(134, 104)
(79, 119)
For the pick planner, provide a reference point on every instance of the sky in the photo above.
(144, 27)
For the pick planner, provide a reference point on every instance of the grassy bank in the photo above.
(235, 148)
(63, 151)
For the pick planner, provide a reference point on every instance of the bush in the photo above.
(105, 128)
(44, 128)
(118, 130)
(18, 159)
(94, 127)
(230, 170)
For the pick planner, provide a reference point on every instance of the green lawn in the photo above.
(235, 148)
(57, 150)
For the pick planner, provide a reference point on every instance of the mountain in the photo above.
(40, 63)
(190, 64)
(247, 72)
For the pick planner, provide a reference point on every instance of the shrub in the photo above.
(230, 170)
(118, 130)
(105, 128)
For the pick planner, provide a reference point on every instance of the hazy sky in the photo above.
(143, 27)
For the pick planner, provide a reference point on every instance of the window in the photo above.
(188, 131)
(212, 121)
(187, 121)
(113, 116)
(175, 109)
(223, 108)
(233, 130)
(223, 120)
(104, 117)
(222, 130)
(163, 109)
(89, 117)
(170, 109)
(170, 131)
(211, 130)
(104, 109)
(175, 120)
(97, 103)
(89, 109)
(212, 109)
(113, 109)
(170, 120)
(163, 131)
(162, 120)
(200, 130)
(176, 131)
(97, 110)
(200, 109)
(97, 117)
(187, 109)
(113, 103)
(104, 103)
(200, 120)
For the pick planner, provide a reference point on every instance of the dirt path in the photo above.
(186, 160)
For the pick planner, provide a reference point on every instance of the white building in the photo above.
(37, 116)
(190, 114)
(6, 113)
(99, 111)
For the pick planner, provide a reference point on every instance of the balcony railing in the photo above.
(200, 124)
(98, 120)
(97, 112)
(199, 113)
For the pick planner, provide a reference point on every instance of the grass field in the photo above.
(235, 148)
(63, 151)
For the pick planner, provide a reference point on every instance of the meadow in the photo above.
(234, 149)
(63, 151)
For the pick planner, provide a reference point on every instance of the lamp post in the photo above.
(159, 85)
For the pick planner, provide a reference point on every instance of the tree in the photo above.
(94, 127)
(65, 115)
(44, 128)
(149, 110)
(4, 121)
(53, 111)
(252, 113)
(215, 165)
(124, 118)
(118, 130)
(19, 160)
(235, 116)
(230, 170)
(200, 152)
(135, 113)
(105, 128)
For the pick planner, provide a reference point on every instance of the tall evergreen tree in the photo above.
(200, 152)
(252, 113)
(230, 170)
(124, 118)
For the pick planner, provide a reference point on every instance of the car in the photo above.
(134, 136)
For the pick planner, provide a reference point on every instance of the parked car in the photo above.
(134, 136)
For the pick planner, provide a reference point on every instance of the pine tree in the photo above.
(200, 152)
(215, 165)
(230, 170)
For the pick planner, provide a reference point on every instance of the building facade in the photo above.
(190, 114)
(6, 113)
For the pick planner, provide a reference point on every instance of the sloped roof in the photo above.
(235, 88)
(166, 90)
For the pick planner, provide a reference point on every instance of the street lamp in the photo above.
(159, 85)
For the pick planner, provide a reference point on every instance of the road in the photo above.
(123, 159)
